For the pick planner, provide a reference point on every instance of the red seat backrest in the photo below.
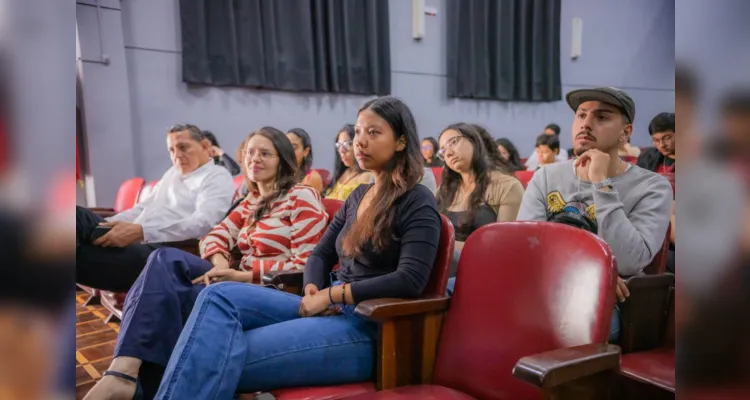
(523, 161)
(127, 194)
(548, 286)
(524, 177)
(658, 264)
(332, 207)
(438, 172)
(147, 190)
(630, 159)
(238, 181)
(441, 268)
(324, 175)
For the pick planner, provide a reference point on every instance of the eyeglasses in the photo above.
(426, 147)
(449, 146)
(344, 145)
(263, 153)
(663, 140)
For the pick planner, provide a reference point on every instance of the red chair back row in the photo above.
(127, 194)
(658, 264)
(325, 176)
(438, 172)
(514, 300)
(524, 177)
(238, 180)
(332, 207)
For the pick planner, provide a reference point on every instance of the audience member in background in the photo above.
(385, 240)
(626, 149)
(630, 205)
(493, 153)
(275, 228)
(241, 191)
(347, 174)
(547, 150)
(661, 157)
(429, 152)
(532, 163)
(190, 198)
(509, 152)
(220, 157)
(303, 152)
(476, 189)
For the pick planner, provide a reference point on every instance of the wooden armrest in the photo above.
(384, 309)
(562, 366)
(643, 315)
(288, 281)
(103, 212)
(191, 246)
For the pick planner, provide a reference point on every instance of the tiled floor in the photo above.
(95, 343)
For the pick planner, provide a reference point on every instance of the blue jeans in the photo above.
(157, 307)
(614, 327)
(246, 338)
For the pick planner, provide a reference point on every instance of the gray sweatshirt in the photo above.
(633, 218)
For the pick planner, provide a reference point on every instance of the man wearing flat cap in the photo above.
(631, 206)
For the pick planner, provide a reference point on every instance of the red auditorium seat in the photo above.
(651, 373)
(630, 159)
(524, 177)
(126, 198)
(671, 178)
(332, 207)
(324, 175)
(438, 172)
(238, 181)
(399, 319)
(516, 309)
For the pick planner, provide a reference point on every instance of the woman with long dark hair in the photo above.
(508, 151)
(249, 338)
(275, 227)
(303, 152)
(474, 190)
(347, 174)
(497, 161)
(429, 148)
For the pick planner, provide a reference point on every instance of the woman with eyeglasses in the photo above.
(429, 150)
(243, 338)
(275, 228)
(347, 174)
(303, 153)
(476, 189)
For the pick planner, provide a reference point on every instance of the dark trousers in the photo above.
(157, 307)
(106, 268)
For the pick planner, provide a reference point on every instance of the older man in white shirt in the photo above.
(191, 197)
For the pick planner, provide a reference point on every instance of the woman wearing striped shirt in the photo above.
(275, 228)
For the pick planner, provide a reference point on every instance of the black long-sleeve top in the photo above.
(401, 269)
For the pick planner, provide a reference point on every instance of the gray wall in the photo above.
(626, 44)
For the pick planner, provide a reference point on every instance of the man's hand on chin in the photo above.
(122, 234)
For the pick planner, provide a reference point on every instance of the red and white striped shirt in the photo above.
(283, 239)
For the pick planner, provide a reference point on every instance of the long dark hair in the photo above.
(339, 167)
(496, 159)
(480, 165)
(514, 159)
(286, 172)
(435, 147)
(308, 159)
(403, 172)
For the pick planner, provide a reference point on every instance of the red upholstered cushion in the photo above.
(332, 207)
(522, 288)
(127, 194)
(421, 392)
(324, 392)
(655, 367)
(524, 177)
